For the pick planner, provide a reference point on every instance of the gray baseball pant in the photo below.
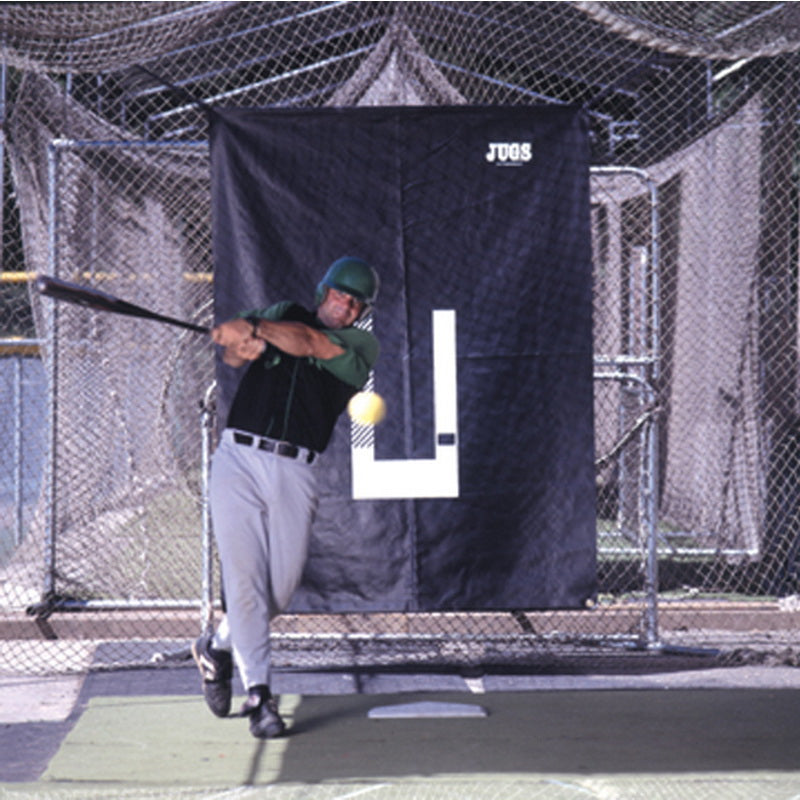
(262, 506)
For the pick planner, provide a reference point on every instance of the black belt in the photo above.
(272, 446)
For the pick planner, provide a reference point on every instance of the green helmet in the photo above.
(353, 276)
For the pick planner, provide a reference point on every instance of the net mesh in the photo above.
(694, 224)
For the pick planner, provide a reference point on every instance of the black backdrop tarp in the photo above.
(505, 243)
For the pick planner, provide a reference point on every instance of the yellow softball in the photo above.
(366, 408)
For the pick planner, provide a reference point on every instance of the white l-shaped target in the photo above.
(395, 479)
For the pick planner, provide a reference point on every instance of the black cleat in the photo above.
(262, 708)
(216, 669)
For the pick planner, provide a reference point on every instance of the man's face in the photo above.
(339, 309)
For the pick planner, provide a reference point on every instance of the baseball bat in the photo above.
(102, 301)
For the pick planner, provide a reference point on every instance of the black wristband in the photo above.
(254, 322)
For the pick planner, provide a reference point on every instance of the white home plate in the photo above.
(427, 710)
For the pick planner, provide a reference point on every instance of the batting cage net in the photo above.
(106, 554)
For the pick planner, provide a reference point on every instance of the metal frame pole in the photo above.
(643, 371)
(18, 451)
(207, 425)
(51, 317)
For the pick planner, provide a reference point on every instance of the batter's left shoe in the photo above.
(262, 708)
(216, 669)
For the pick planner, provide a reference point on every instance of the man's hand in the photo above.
(236, 337)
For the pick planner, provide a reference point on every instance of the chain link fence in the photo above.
(105, 552)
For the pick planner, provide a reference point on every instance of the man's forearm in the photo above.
(296, 338)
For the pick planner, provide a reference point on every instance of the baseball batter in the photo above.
(303, 369)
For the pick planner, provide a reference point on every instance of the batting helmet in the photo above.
(353, 276)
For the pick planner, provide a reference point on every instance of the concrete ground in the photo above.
(663, 730)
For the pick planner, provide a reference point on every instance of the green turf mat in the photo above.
(560, 737)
